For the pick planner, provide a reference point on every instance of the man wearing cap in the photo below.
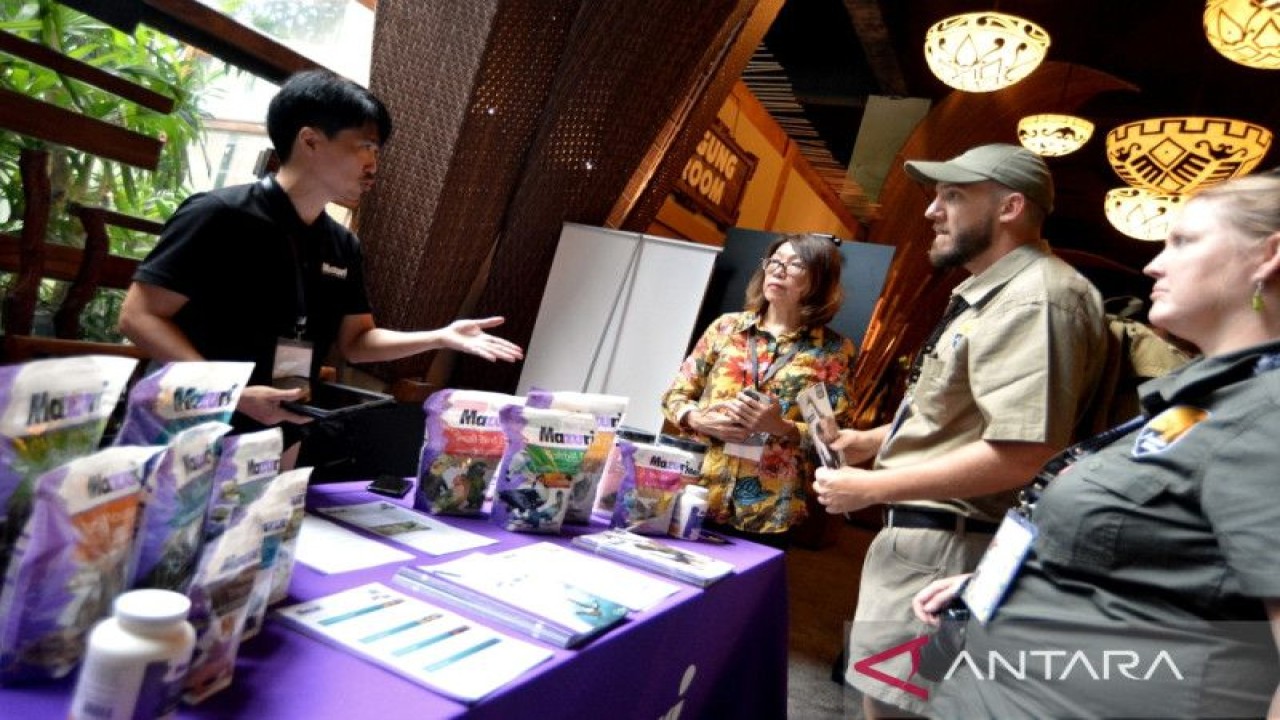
(995, 391)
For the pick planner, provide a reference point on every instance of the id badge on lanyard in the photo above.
(293, 358)
(294, 354)
(999, 566)
(753, 447)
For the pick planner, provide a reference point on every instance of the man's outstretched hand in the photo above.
(469, 336)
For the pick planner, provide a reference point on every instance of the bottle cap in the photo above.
(633, 434)
(692, 446)
(152, 607)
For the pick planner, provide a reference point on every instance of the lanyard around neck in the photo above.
(1030, 495)
(757, 380)
(300, 287)
(296, 251)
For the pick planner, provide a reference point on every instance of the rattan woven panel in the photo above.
(428, 108)
(455, 174)
(629, 66)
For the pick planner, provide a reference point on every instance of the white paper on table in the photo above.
(407, 527)
(595, 575)
(330, 548)
(423, 642)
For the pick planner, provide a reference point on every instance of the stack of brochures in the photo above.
(815, 407)
(532, 598)
(655, 556)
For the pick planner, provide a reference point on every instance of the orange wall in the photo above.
(783, 195)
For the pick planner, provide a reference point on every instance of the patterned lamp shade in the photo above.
(1142, 214)
(1179, 154)
(1052, 135)
(984, 51)
(1245, 31)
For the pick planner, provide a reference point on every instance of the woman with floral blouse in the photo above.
(760, 459)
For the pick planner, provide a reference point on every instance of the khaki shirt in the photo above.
(1019, 364)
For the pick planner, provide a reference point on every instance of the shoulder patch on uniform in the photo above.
(1167, 428)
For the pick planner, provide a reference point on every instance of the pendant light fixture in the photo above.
(1245, 31)
(1142, 214)
(1055, 134)
(984, 51)
(1179, 154)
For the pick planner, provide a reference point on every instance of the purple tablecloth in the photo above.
(722, 652)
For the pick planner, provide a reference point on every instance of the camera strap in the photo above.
(999, 566)
(1030, 495)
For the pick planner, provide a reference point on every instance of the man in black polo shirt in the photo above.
(241, 270)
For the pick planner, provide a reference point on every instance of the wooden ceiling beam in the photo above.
(224, 38)
(868, 23)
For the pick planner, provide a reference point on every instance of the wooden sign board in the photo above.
(715, 178)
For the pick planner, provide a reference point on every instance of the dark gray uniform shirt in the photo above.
(1165, 542)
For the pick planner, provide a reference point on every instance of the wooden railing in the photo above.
(29, 256)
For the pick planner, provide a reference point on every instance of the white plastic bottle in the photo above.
(691, 508)
(136, 660)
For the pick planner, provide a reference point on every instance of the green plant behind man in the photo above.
(147, 58)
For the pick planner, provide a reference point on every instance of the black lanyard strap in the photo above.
(1030, 495)
(300, 287)
(956, 306)
(276, 197)
(757, 381)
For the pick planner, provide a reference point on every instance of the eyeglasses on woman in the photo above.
(790, 267)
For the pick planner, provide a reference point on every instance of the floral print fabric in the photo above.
(768, 496)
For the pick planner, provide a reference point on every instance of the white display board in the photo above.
(616, 316)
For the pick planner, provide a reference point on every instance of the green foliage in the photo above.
(146, 58)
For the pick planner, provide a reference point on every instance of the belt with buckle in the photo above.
(932, 519)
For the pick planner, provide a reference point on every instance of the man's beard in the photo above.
(966, 244)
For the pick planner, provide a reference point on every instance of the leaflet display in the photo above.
(656, 556)
(506, 588)
(431, 646)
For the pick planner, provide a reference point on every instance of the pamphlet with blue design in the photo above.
(512, 589)
(446, 652)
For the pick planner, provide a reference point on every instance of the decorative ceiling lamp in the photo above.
(1055, 134)
(1245, 31)
(1142, 214)
(1179, 154)
(1052, 134)
(984, 51)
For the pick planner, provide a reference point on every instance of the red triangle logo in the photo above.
(866, 666)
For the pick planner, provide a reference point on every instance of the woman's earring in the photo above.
(1256, 301)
